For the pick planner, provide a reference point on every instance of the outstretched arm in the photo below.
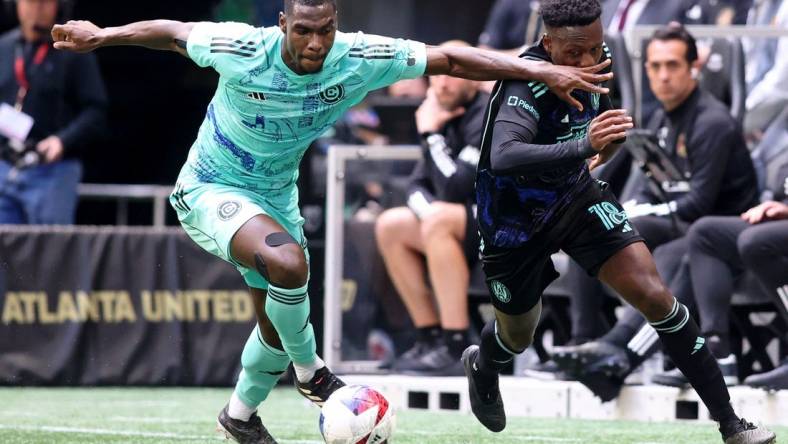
(480, 64)
(84, 36)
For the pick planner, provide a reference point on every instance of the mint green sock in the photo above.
(288, 310)
(262, 366)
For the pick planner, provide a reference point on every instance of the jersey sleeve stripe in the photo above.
(231, 40)
(371, 57)
(230, 51)
(233, 46)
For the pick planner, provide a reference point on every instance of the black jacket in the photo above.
(707, 145)
(67, 97)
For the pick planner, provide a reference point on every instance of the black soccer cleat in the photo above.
(320, 387)
(743, 432)
(486, 402)
(600, 366)
(243, 432)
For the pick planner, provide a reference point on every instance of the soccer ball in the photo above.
(356, 414)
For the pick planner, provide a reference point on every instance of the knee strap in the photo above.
(273, 240)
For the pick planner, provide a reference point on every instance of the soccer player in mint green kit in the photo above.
(279, 89)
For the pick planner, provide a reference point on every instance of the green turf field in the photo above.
(187, 416)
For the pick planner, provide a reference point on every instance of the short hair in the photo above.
(560, 13)
(290, 4)
(676, 31)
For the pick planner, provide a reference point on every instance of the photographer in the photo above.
(53, 103)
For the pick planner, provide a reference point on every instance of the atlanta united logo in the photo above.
(332, 94)
(500, 291)
(228, 210)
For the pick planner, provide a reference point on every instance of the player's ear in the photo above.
(283, 22)
(548, 42)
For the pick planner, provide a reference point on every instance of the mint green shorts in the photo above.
(212, 213)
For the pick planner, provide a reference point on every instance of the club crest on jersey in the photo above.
(500, 291)
(228, 210)
(332, 94)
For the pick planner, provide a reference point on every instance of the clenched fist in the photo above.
(76, 35)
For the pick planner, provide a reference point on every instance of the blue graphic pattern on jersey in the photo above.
(246, 159)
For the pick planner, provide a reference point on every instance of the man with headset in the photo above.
(52, 103)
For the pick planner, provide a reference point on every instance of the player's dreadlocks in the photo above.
(289, 4)
(560, 13)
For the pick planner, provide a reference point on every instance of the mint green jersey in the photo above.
(264, 116)
(262, 119)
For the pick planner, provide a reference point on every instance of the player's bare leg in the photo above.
(632, 273)
(263, 362)
(264, 245)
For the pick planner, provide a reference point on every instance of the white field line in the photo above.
(130, 433)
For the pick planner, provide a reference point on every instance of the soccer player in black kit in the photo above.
(535, 196)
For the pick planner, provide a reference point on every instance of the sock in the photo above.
(457, 341)
(238, 409)
(681, 340)
(494, 355)
(262, 366)
(288, 310)
(429, 334)
(305, 372)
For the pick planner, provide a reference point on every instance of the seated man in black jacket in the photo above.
(438, 225)
(707, 147)
(535, 196)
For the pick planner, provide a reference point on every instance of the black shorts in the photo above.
(471, 244)
(590, 230)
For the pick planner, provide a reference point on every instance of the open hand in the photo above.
(76, 35)
(562, 80)
(431, 117)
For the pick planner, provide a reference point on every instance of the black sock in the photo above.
(494, 356)
(681, 340)
(457, 341)
(429, 334)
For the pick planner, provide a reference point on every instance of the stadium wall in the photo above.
(117, 306)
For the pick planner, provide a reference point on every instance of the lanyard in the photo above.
(21, 75)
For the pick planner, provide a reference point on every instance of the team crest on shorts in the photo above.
(500, 291)
(228, 210)
(332, 94)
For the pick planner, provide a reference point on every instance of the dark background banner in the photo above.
(116, 306)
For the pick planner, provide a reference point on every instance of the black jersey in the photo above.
(533, 157)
